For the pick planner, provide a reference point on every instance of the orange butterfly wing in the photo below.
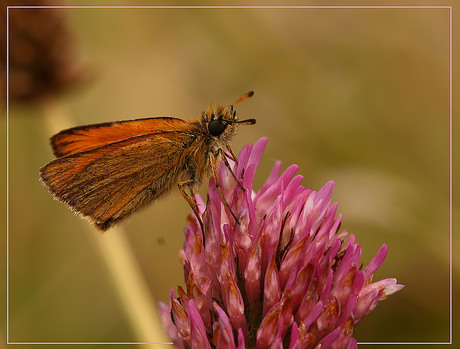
(83, 138)
(108, 183)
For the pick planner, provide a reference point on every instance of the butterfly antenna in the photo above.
(244, 122)
(246, 95)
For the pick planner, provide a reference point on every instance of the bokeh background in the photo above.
(359, 96)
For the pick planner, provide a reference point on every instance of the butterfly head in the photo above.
(222, 122)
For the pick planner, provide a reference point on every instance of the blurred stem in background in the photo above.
(44, 62)
(119, 259)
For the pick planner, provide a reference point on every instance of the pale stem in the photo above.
(113, 247)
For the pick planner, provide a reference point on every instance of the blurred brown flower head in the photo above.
(43, 58)
(282, 278)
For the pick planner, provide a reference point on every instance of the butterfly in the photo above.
(105, 172)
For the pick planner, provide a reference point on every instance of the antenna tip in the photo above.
(250, 93)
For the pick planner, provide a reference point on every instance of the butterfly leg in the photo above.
(218, 185)
(231, 156)
(191, 200)
(232, 173)
(224, 158)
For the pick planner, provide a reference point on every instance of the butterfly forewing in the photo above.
(83, 138)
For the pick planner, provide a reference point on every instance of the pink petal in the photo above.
(272, 290)
(234, 304)
(278, 341)
(271, 228)
(257, 151)
(375, 263)
(373, 293)
(294, 342)
(198, 338)
(222, 330)
(329, 316)
(227, 264)
(168, 325)
(300, 284)
(196, 290)
(180, 317)
(327, 340)
(253, 273)
(292, 260)
(313, 315)
(241, 341)
(352, 344)
(273, 176)
(267, 330)
(291, 189)
(278, 318)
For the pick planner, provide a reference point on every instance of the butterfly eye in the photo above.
(216, 127)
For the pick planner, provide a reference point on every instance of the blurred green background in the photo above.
(359, 96)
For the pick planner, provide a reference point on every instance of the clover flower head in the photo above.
(284, 277)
